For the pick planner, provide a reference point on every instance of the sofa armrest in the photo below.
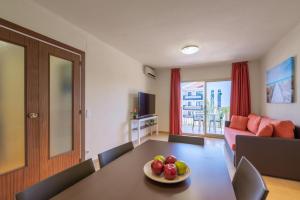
(227, 123)
(276, 157)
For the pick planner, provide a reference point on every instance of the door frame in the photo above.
(205, 134)
(44, 39)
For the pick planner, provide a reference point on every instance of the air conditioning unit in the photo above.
(149, 71)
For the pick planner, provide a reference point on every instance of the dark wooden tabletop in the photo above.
(124, 178)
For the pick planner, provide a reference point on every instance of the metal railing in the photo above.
(193, 97)
(192, 108)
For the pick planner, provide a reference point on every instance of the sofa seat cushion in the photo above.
(253, 123)
(239, 122)
(231, 133)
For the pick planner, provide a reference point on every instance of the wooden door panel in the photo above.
(51, 165)
(18, 179)
(38, 163)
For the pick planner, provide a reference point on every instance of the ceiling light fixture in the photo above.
(190, 49)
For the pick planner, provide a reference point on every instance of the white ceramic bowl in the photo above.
(148, 172)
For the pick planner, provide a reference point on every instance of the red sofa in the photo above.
(273, 156)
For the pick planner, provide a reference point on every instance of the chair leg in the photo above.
(221, 126)
(215, 127)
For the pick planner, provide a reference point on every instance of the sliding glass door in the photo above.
(217, 106)
(192, 106)
(205, 107)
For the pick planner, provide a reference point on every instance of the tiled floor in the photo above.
(280, 189)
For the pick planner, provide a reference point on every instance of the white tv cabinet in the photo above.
(140, 126)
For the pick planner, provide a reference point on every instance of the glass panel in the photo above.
(61, 137)
(12, 107)
(192, 105)
(217, 106)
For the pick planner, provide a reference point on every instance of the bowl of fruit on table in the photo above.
(167, 169)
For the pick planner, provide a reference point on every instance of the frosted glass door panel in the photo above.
(61, 137)
(12, 107)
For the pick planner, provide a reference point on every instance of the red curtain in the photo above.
(175, 101)
(240, 101)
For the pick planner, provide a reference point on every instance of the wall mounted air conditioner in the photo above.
(149, 71)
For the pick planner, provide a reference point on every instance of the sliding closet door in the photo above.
(59, 89)
(19, 123)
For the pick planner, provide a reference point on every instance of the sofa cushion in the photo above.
(264, 121)
(266, 131)
(239, 122)
(253, 123)
(231, 133)
(284, 129)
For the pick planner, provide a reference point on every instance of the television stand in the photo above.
(141, 126)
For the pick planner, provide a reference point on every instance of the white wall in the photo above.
(112, 78)
(288, 46)
(213, 72)
(112, 82)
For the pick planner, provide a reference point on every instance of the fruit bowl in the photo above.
(160, 178)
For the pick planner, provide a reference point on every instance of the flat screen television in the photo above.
(146, 104)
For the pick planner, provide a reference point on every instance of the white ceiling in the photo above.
(154, 31)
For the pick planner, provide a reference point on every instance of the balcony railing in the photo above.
(185, 107)
(194, 97)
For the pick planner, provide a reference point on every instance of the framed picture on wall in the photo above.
(280, 82)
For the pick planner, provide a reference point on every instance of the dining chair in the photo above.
(114, 153)
(55, 184)
(186, 139)
(198, 117)
(247, 182)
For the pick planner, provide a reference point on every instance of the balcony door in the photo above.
(193, 107)
(205, 107)
(217, 106)
(40, 121)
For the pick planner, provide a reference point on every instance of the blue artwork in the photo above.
(280, 82)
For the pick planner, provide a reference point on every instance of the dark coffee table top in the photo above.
(124, 178)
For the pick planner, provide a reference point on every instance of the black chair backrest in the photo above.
(55, 184)
(186, 139)
(247, 182)
(114, 153)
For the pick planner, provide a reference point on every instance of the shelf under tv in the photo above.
(141, 126)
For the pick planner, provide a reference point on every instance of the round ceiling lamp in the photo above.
(190, 49)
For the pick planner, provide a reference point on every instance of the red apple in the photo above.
(170, 159)
(157, 167)
(170, 171)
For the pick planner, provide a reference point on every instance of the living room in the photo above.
(110, 44)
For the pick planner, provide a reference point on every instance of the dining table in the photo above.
(124, 178)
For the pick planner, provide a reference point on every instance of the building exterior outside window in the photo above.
(192, 100)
